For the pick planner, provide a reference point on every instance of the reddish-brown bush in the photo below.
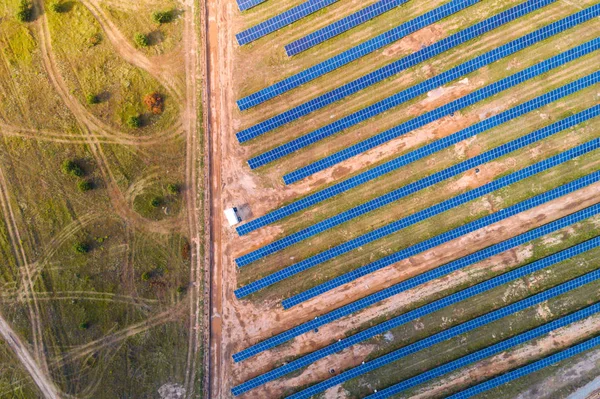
(155, 103)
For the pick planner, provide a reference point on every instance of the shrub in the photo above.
(85, 185)
(146, 276)
(180, 290)
(173, 189)
(57, 7)
(155, 103)
(72, 168)
(92, 99)
(134, 121)
(155, 202)
(25, 13)
(81, 248)
(162, 17)
(141, 40)
(95, 39)
(84, 325)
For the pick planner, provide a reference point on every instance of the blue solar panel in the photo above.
(443, 111)
(417, 281)
(461, 329)
(417, 154)
(248, 4)
(392, 69)
(425, 310)
(418, 185)
(279, 21)
(424, 87)
(525, 370)
(341, 26)
(354, 53)
(399, 225)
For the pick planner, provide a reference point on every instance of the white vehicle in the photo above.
(232, 216)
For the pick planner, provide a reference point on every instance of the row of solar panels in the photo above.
(391, 69)
(422, 88)
(451, 234)
(354, 53)
(412, 92)
(389, 229)
(444, 302)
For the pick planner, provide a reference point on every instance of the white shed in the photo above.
(232, 216)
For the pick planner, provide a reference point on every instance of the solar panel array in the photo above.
(399, 225)
(391, 69)
(464, 328)
(341, 26)
(424, 87)
(500, 346)
(417, 154)
(525, 370)
(443, 111)
(248, 4)
(418, 280)
(353, 53)
(285, 18)
(423, 311)
(370, 268)
(418, 185)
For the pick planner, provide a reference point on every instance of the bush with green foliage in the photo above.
(146, 276)
(81, 248)
(141, 40)
(162, 17)
(180, 290)
(92, 99)
(155, 202)
(25, 13)
(85, 185)
(57, 7)
(134, 121)
(95, 39)
(84, 325)
(71, 167)
(173, 189)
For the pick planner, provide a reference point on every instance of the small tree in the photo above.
(155, 103)
(72, 168)
(141, 40)
(25, 13)
(85, 185)
(81, 248)
(155, 202)
(173, 189)
(134, 121)
(92, 99)
(162, 17)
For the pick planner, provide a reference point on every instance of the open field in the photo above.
(100, 201)
(330, 255)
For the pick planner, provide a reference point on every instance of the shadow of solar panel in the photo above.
(424, 87)
(525, 370)
(285, 18)
(443, 111)
(353, 53)
(391, 69)
(413, 282)
(415, 249)
(463, 328)
(341, 26)
(418, 185)
(417, 154)
(248, 4)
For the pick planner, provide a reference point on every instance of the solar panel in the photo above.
(418, 280)
(428, 309)
(398, 225)
(461, 329)
(341, 26)
(248, 4)
(417, 154)
(525, 370)
(418, 185)
(279, 21)
(424, 87)
(443, 111)
(354, 53)
(391, 69)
